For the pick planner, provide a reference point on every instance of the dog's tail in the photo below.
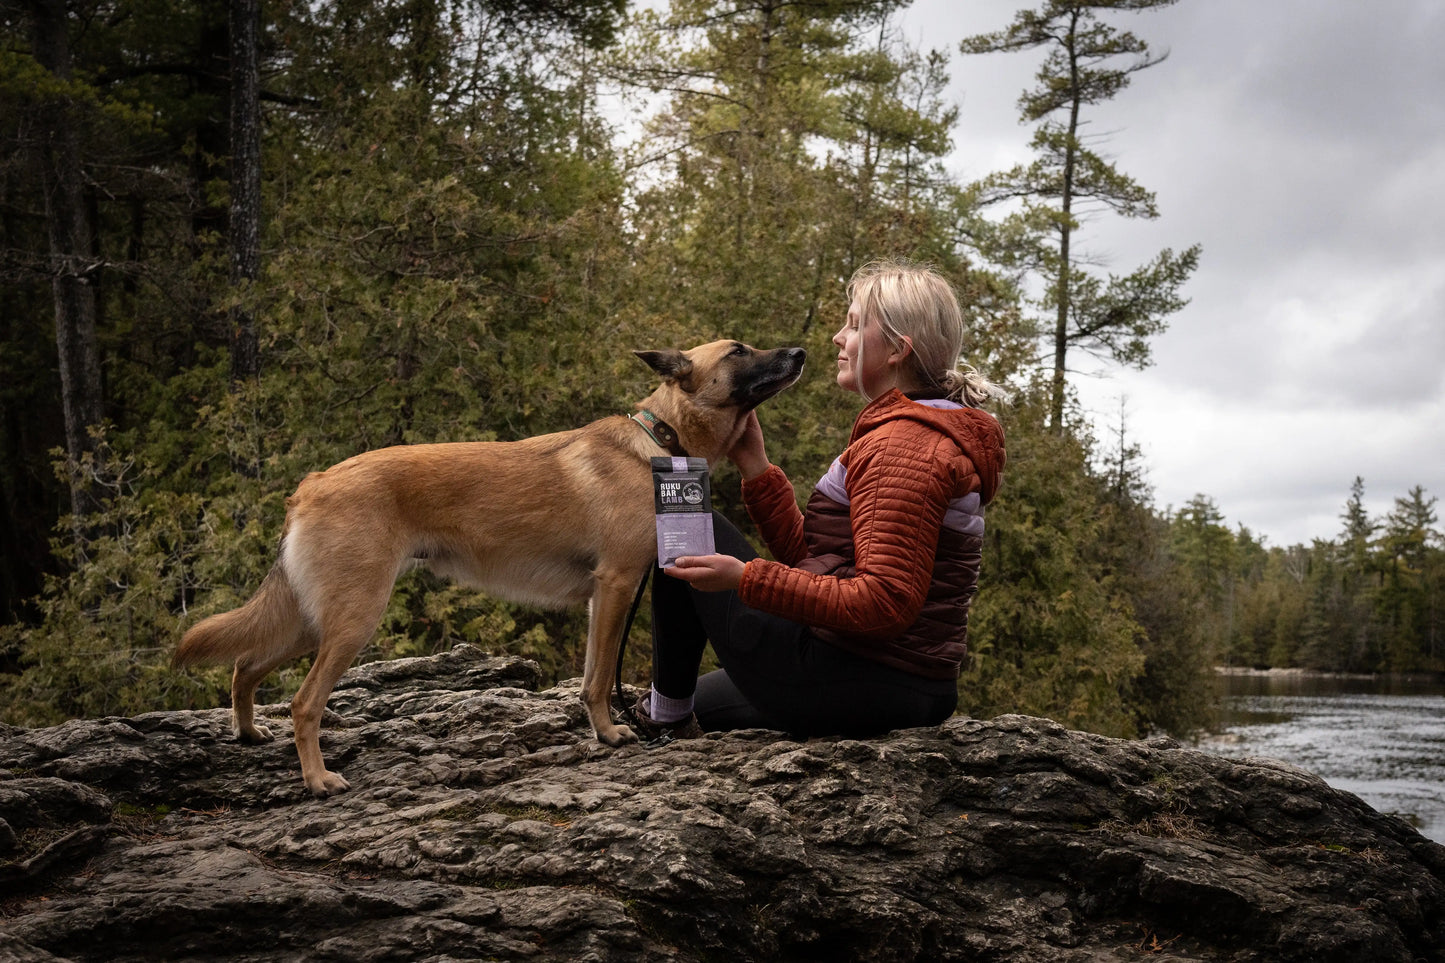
(269, 623)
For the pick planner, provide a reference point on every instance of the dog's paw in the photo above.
(328, 783)
(254, 735)
(617, 736)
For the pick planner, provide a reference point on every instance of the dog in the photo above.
(554, 520)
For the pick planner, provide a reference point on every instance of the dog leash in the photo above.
(665, 436)
(626, 710)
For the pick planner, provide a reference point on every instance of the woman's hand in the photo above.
(709, 573)
(748, 453)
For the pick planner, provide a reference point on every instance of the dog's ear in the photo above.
(670, 363)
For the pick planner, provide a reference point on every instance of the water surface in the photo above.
(1381, 738)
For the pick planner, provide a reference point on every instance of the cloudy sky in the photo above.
(1302, 143)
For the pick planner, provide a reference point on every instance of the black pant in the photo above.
(775, 673)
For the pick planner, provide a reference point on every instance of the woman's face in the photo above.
(865, 359)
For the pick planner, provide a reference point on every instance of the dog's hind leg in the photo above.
(247, 676)
(612, 592)
(244, 680)
(348, 623)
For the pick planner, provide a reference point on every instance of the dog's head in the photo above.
(727, 374)
(707, 391)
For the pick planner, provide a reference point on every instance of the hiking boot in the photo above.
(654, 734)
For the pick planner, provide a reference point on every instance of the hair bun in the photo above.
(968, 386)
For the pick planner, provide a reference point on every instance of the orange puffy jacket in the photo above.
(885, 563)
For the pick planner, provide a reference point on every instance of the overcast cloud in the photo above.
(1302, 143)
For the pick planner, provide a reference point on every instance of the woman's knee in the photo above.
(721, 706)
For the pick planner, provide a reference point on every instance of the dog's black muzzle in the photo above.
(774, 371)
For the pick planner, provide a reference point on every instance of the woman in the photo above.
(859, 625)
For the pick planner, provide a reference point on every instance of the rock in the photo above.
(484, 822)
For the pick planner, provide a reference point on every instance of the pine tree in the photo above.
(1175, 691)
(129, 305)
(1112, 317)
(1052, 632)
(73, 265)
(1410, 595)
(1351, 636)
(742, 208)
(245, 201)
(796, 141)
(1358, 529)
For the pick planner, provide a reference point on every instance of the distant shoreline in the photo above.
(1293, 673)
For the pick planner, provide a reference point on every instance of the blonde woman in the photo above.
(859, 625)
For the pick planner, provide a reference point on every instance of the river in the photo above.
(1381, 738)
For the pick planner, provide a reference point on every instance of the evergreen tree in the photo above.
(1252, 613)
(67, 105)
(1204, 551)
(1410, 594)
(141, 100)
(896, 128)
(1339, 631)
(1113, 317)
(781, 159)
(1284, 585)
(1358, 530)
(1052, 632)
(1175, 692)
(743, 209)
(245, 200)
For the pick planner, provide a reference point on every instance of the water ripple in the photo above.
(1364, 736)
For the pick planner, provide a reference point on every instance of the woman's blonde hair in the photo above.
(913, 301)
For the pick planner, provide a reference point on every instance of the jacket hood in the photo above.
(976, 432)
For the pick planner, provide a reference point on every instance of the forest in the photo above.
(242, 241)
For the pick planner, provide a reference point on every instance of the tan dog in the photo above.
(554, 520)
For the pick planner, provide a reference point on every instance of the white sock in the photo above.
(664, 709)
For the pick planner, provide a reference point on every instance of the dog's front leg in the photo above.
(611, 595)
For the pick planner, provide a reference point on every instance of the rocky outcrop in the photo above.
(485, 823)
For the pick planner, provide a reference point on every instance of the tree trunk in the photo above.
(1061, 321)
(74, 269)
(245, 219)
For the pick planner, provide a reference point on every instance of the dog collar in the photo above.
(660, 432)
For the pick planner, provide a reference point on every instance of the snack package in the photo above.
(682, 495)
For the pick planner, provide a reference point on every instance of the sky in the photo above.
(1302, 144)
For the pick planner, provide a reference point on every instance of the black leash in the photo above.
(665, 437)
(622, 646)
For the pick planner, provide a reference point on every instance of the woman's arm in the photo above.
(768, 495)
(773, 508)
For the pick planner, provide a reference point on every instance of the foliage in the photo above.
(426, 221)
